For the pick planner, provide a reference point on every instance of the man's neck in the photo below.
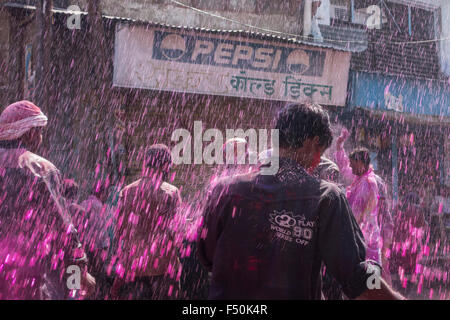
(156, 179)
(364, 173)
(296, 156)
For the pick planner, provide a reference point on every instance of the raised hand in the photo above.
(344, 136)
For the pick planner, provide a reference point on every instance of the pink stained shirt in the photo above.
(362, 195)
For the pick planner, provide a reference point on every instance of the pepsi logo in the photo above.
(298, 62)
(173, 47)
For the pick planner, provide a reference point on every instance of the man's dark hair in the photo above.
(99, 190)
(158, 156)
(69, 189)
(360, 154)
(412, 198)
(298, 122)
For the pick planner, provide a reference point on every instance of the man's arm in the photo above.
(68, 239)
(342, 248)
(50, 189)
(364, 201)
(384, 293)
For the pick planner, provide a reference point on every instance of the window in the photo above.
(340, 10)
(422, 24)
(360, 15)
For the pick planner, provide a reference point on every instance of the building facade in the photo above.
(167, 77)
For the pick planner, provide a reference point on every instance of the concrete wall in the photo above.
(4, 47)
(170, 13)
(4, 43)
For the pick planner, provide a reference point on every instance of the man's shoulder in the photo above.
(328, 164)
(132, 187)
(236, 182)
(169, 189)
(44, 175)
(165, 189)
(372, 181)
(330, 189)
(171, 194)
(327, 170)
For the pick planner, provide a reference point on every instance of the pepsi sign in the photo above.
(237, 54)
(159, 58)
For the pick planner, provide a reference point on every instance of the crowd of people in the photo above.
(314, 230)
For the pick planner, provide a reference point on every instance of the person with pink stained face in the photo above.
(362, 193)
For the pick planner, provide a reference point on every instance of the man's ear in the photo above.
(26, 137)
(316, 140)
(317, 145)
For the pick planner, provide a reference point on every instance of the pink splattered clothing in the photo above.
(93, 223)
(362, 195)
(37, 238)
(147, 241)
(148, 267)
(408, 238)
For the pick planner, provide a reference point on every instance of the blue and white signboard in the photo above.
(400, 94)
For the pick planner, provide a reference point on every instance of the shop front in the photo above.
(226, 80)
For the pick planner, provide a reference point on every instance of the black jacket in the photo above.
(265, 237)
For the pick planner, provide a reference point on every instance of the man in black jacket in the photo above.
(265, 237)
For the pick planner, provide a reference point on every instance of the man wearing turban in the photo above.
(38, 242)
